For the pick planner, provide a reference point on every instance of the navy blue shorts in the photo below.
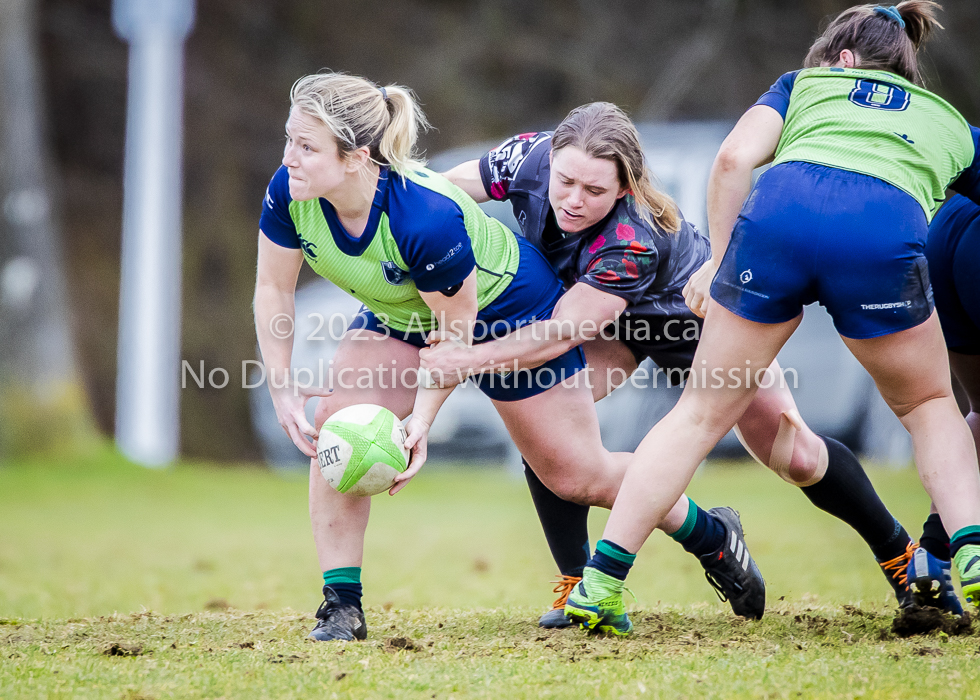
(530, 297)
(953, 251)
(811, 233)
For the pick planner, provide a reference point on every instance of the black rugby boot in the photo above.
(732, 571)
(338, 621)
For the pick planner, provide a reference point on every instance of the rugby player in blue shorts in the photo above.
(352, 201)
(584, 196)
(862, 156)
(953, 252)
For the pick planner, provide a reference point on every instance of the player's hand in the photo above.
(290, 405)
(446, 363)
(697, 291)
(417, 443)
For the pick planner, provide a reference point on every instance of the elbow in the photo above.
(730, 160)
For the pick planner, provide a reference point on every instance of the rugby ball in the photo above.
(361, 449)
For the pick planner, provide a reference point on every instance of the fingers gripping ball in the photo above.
(362, 449)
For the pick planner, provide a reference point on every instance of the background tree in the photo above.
(41, 401)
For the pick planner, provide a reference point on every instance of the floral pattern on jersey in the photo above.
(612, 269)
(625, 232)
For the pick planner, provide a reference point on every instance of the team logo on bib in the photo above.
(394, 274)
(872, 95)
(309, 248)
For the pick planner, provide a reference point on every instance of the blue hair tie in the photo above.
(384, 93)
(891, 12)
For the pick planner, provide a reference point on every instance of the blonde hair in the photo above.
(387, 120)
(879, 41)
(602, 130)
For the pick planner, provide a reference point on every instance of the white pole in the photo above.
(147, 380)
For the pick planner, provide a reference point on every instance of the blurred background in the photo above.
(483, 70)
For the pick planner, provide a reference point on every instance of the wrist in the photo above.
(482, 356)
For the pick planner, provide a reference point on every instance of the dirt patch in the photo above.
(217, 604)
(123, 649)
(915, 620)
(400, 643)
(287, 658)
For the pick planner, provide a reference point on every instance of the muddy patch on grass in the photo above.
(915, 620)
(123, 649)
(393, 644)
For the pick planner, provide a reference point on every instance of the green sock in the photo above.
(345, 574)
(690, 521)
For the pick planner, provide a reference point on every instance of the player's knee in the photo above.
(796, 455)
(705, 418)
(801, 471)
(575, 490)
(902, 407)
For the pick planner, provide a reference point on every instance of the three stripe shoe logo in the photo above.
(740, 551)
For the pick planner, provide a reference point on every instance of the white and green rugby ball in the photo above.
(361, 449)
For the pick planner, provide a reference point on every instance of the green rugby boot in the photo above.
(596, 604)
(968, 564)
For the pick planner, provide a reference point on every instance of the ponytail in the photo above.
(883, 38)
(385, 120)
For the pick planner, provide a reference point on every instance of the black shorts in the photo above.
(670, 341)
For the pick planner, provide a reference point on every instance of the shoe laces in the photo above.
(718, 582)
(563, 588)
(897, 568)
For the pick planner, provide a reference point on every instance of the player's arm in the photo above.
(466, 176)
(455, 309)
(751, 143)
(275, 286)
(579, 316)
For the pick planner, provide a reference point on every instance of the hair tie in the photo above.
(891, 12)
(384, 93)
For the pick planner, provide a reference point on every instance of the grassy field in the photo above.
(118, 582)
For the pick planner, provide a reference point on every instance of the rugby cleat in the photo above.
(968, 564)
(596, 604)
(896, 571)
(732, 572)
(555, 618)
(931, 584)
(337, 621)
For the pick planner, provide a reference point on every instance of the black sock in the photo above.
(846, 493)
(702, 533)
(349, 593)
(612, 560)
(935, 539)
(565, 525)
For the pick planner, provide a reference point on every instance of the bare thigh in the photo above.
(912, 373)
(557, 431)
(610, 365)
(370, 368)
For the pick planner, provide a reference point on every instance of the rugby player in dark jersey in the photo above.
(583, 195)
